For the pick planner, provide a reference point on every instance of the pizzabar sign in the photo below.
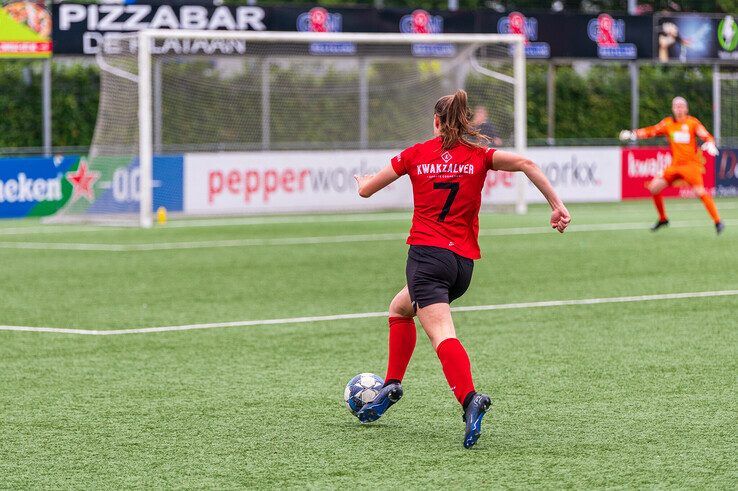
(94, 28)
(91, 28)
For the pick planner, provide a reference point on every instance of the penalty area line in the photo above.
(367, 315)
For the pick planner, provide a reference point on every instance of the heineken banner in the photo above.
(35, 186)
(43, 186)
(91, 28)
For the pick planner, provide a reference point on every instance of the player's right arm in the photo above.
(659, 129)
(512, 162)
(371, 183)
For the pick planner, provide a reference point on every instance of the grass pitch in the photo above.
(640, 394)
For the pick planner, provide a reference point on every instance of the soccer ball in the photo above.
(361, 390)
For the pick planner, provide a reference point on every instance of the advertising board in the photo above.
(641, 164)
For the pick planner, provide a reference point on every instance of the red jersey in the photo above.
(447, 192)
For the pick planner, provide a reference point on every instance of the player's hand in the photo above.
(627, 135)
(361, 180)
(560, 218)
(710, 148)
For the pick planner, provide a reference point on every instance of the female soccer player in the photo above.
(447, 174)
(682, 131)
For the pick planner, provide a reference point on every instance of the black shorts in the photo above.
(436, 275)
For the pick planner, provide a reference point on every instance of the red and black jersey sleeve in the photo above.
(401, 161)
(489, 153)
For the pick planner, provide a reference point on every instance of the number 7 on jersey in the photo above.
(454, 189)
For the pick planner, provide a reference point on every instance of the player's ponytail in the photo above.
(455, 121)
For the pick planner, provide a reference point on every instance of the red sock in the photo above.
(658, 200)
(711, 208)
(402, 337)
(456, 367)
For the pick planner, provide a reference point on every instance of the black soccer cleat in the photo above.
(719, 227)
(473, 415)
(659, 224)
(374, 410)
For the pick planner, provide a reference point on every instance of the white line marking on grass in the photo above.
(366, 315)
(295, 220)
(204, 222)
(53, 230)
(329, 239)
(218, 222)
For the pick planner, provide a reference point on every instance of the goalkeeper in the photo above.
(687, 164)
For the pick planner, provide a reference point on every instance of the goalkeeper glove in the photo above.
(628, 135)
(710, 148)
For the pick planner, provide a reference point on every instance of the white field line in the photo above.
(374, 217)
(366, 315)
(50, 229)
(295, 219)
(302, 219)
(327, 239)
(217, 222)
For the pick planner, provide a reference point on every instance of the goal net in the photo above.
(726, 108)
(204, 123)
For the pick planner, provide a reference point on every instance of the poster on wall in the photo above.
(640, 165)
(35, 186)
(112, 185)
(535, 30)
(277, 182)
(694, 37)
(579, 174)
(727, 36)
(25, 30)
(42, 186)
(93, 28)
(90, 28)
(726, 172)
(283, 182)
(574, 35)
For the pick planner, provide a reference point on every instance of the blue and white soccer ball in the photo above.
(361, 390)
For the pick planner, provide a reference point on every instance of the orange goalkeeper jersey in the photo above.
(682, 138)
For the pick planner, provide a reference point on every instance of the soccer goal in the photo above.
(725, 110)
(216, 123)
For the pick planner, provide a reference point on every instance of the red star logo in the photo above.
(82, 181)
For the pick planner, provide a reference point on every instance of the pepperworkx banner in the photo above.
(92, 28)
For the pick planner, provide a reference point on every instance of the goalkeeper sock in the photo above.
(711, 208)
(658, 200)
(456, 367)
(402, 337)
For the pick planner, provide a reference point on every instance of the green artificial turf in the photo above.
(640, 394)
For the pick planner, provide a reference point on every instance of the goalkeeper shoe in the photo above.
(374, 410)
(473, 415)
(659, 224)
(719, 227)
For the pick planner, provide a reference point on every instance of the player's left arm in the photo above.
(709, 141)
(512, 162)
(371, 183)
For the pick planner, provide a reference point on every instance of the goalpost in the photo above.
(268, 97)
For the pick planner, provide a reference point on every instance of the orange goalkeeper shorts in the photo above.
(691, 174)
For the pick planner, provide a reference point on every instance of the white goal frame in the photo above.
(145, 90)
